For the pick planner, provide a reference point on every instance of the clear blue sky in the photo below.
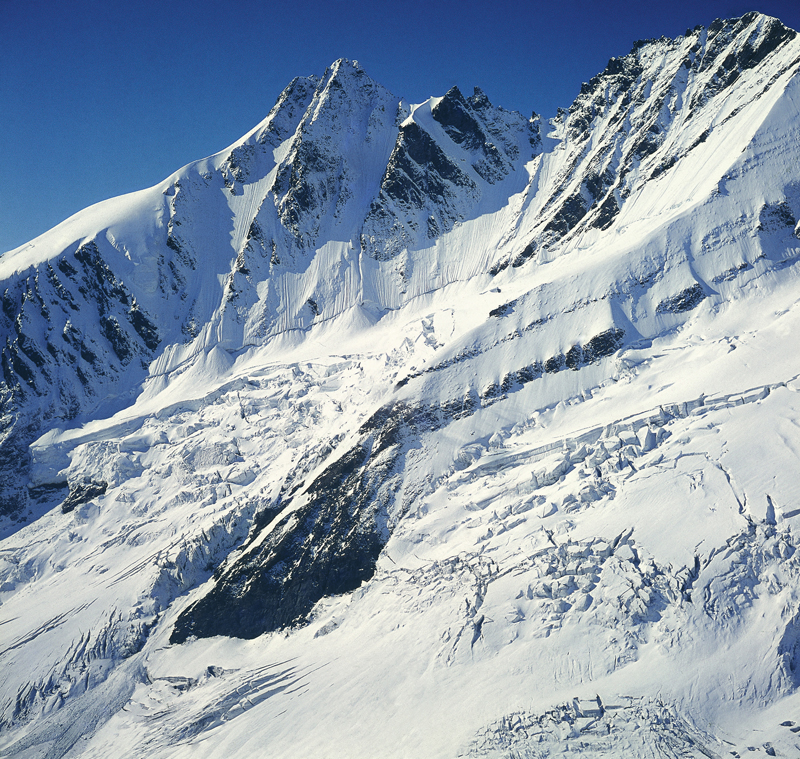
(102, 98)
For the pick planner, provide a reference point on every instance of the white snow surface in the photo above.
(600, 561)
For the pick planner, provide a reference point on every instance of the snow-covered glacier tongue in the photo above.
(432, 428)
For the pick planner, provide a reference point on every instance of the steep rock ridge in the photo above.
(327, 171)
(334, 163)
(56, 360)
(455, 114)
(647, 111)
(426, 189)
(280, 125)
(343, 515)
(455, 458)
(733, 48)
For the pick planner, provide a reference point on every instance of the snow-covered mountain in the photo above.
(421, 430)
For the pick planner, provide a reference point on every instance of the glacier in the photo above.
(424, 429)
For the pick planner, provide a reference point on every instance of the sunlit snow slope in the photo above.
(421, 430)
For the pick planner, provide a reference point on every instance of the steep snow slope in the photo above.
(431, 429)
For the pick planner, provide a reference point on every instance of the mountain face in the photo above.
(421, 430)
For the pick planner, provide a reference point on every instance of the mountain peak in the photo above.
(344, 69)
(346, 64)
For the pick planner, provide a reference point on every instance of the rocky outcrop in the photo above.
(72, 329)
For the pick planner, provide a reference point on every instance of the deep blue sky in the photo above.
(102, 98)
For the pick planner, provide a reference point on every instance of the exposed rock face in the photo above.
(320, 185)
(343, 519)
(345, 514)
(460, 120)
(418, 173)
(638, 105)
(426, 188)
(73, 331)
(82, 492)
(685, 300)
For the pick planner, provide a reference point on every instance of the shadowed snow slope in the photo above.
(426, 429)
